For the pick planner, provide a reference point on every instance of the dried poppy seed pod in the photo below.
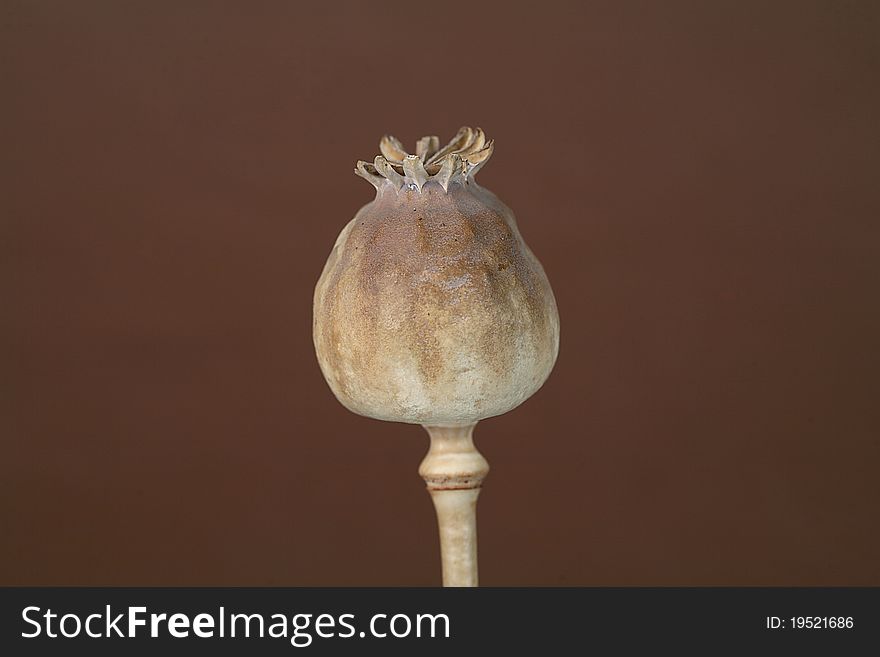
(432, 310)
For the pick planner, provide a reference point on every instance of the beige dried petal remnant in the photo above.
(431, 308)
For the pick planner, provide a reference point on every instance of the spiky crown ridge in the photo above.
(458, 161)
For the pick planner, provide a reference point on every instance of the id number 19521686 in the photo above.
(810, 623)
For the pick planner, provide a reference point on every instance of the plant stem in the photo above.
(454, 470)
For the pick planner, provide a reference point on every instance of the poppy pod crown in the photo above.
(457, 162)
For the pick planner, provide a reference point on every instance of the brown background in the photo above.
(697, 178)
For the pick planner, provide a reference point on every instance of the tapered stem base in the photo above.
(454, 470)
